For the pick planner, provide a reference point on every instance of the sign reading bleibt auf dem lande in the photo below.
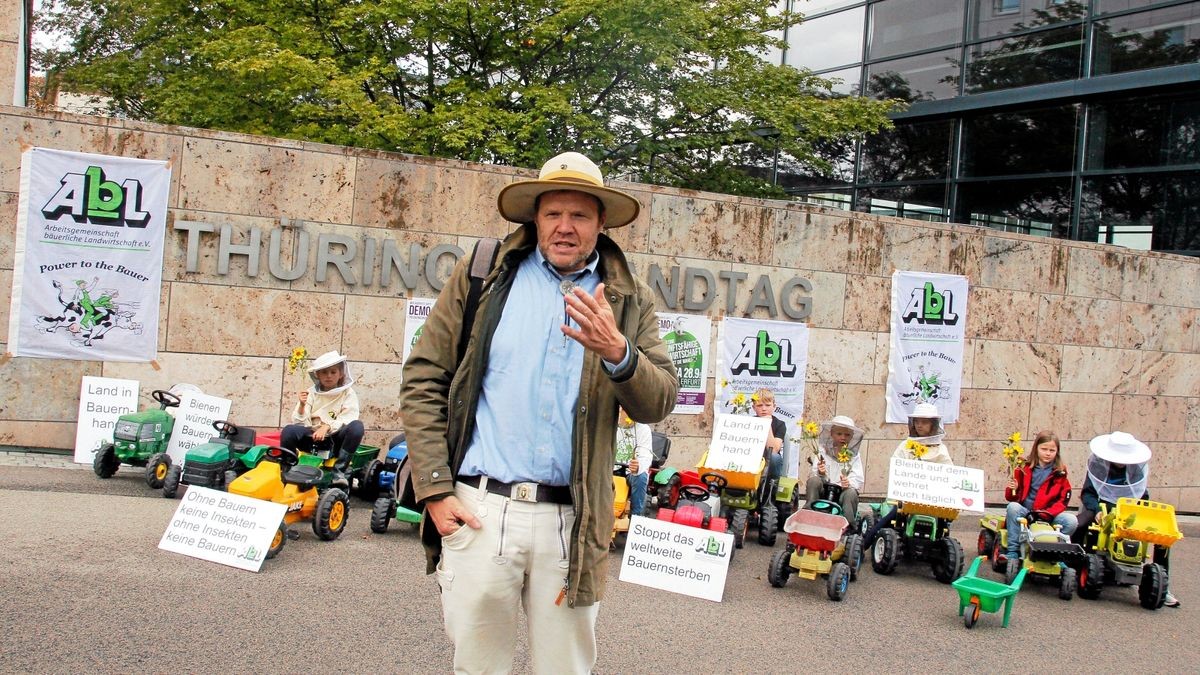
(942, 485)
(223, 528)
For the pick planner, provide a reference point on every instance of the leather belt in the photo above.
(522, 492)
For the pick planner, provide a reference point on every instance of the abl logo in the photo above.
(88, 197)
(929, 306)
(761, 356)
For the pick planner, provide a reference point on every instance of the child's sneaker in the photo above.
(1170, 600)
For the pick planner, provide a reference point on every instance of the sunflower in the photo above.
(844, 456)
(297, 359)
(917, 450)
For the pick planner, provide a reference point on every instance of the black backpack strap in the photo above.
(482, 260)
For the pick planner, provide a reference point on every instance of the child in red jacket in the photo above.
(1040, 488)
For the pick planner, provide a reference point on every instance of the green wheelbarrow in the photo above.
(976, 594)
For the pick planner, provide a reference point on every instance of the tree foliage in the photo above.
(664, 91)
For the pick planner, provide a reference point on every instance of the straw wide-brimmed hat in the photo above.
(568, 171)
(1120, 448)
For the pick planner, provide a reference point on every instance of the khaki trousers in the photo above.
(516, 561)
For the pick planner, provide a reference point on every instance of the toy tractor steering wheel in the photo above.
(225, 428)
(165, 398)
(282, 456)
(714, 481)
(693, 493)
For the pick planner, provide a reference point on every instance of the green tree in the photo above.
(664, 91)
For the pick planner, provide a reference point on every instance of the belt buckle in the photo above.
(525, 492)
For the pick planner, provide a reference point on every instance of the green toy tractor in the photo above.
(1119, 546)
(218, 462)
(140, 439)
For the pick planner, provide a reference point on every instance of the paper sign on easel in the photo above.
(223, 528)
(101, 401)
(738, 442)
(944, 485)
(194, 422)
(676, 558)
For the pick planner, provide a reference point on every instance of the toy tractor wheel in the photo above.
(277, 541)
(780, 568)
(853, 555)
(368, 484)
(785, 511)
(987, 542)
(768, 524)
(156, 470)
(739, 520)
(1011, 568)
(1091, 578)
(170, 486)
(994, 556)
(105, 462)
(949, 565)
(330, 518)
(668, 493)
(838, 581)
(1152, 592)
(886, 553)
(1066, 583)
(865, 521)
(971, 614)
(381, 514)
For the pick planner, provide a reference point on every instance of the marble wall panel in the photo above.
(378, 388)
(1071, 416)
(1152, 418)
(266, 179)
(868, 303)
(43, 390)
(164, 316)
(883, 347)
(207, 246)
(877, 457)
(10, 22)
(1157, 327)
(689, 425)
(1001, 315)
(39, 435)
(634, 237)
(1188, 500)
(463, 201)
(1079, 321)
(246, 321)
(373, 329)
(1169, 374)
(933, 248)
(8, 68)
(1100, 370)
(1155, 278)
(1016, 365)
(813, 239)
(704, 228)
(250, 383)
(1020, 264)
(1192, 429)
(687, 450)
(18, 133)
(1171, 466)
(989, 413)
(841, 356)
(8, 228)
(1095, 272)
(1075, 456)
(393, 194)
(985, 455)
(865, 403)
(820, 401)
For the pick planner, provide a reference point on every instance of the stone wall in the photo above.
(10, 30)
(1074, 337)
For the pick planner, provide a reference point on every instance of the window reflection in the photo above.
(1048, 56)
(902, 26)
(909, 152)
(993, 18)
(828, 41)
(1037, 207)
(1145, 211)
(917, 78)
(915, 202)
(1144, 132)
(1027, 141)
(1154, 39)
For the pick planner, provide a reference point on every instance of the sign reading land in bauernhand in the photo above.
(223, 528)
(676, 558)
(738, 442)
(102, 400)
(944, 485)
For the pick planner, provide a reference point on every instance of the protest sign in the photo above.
(194, 422)
(677, 558)
(944, 485)
(925, 362)
(223, 528)
(686, 337)
(101, 401)
(738, 442)
(414, 321)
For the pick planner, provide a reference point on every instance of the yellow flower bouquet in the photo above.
(807, 440)
(1012, 452)
(844, 457)
(917, 450)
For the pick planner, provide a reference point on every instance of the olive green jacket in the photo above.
(439, 399)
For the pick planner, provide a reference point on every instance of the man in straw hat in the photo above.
(512, 446)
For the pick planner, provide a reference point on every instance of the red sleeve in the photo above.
(1060, 494)
(1016, 496)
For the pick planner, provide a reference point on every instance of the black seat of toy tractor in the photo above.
(660, 447)
(243, 440)
(303, 476)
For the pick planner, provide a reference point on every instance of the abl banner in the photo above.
(87, 264)
(687, 337)
(755, 354)
(929, 324)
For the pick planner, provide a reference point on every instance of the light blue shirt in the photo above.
(526, 415)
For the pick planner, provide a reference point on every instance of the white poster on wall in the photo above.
(88, 256)
(687, 337)
(757, 354)
(929, 324)
(101, 401)
(414, 320)
(194, 422)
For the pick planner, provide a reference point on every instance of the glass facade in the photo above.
(1062, 118)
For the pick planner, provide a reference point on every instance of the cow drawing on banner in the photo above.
(928, 387)
(87, 318)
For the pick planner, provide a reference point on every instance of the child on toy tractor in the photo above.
(837, 472)
(326, 414)
(1038, 491)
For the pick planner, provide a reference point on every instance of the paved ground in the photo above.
(85, 588)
